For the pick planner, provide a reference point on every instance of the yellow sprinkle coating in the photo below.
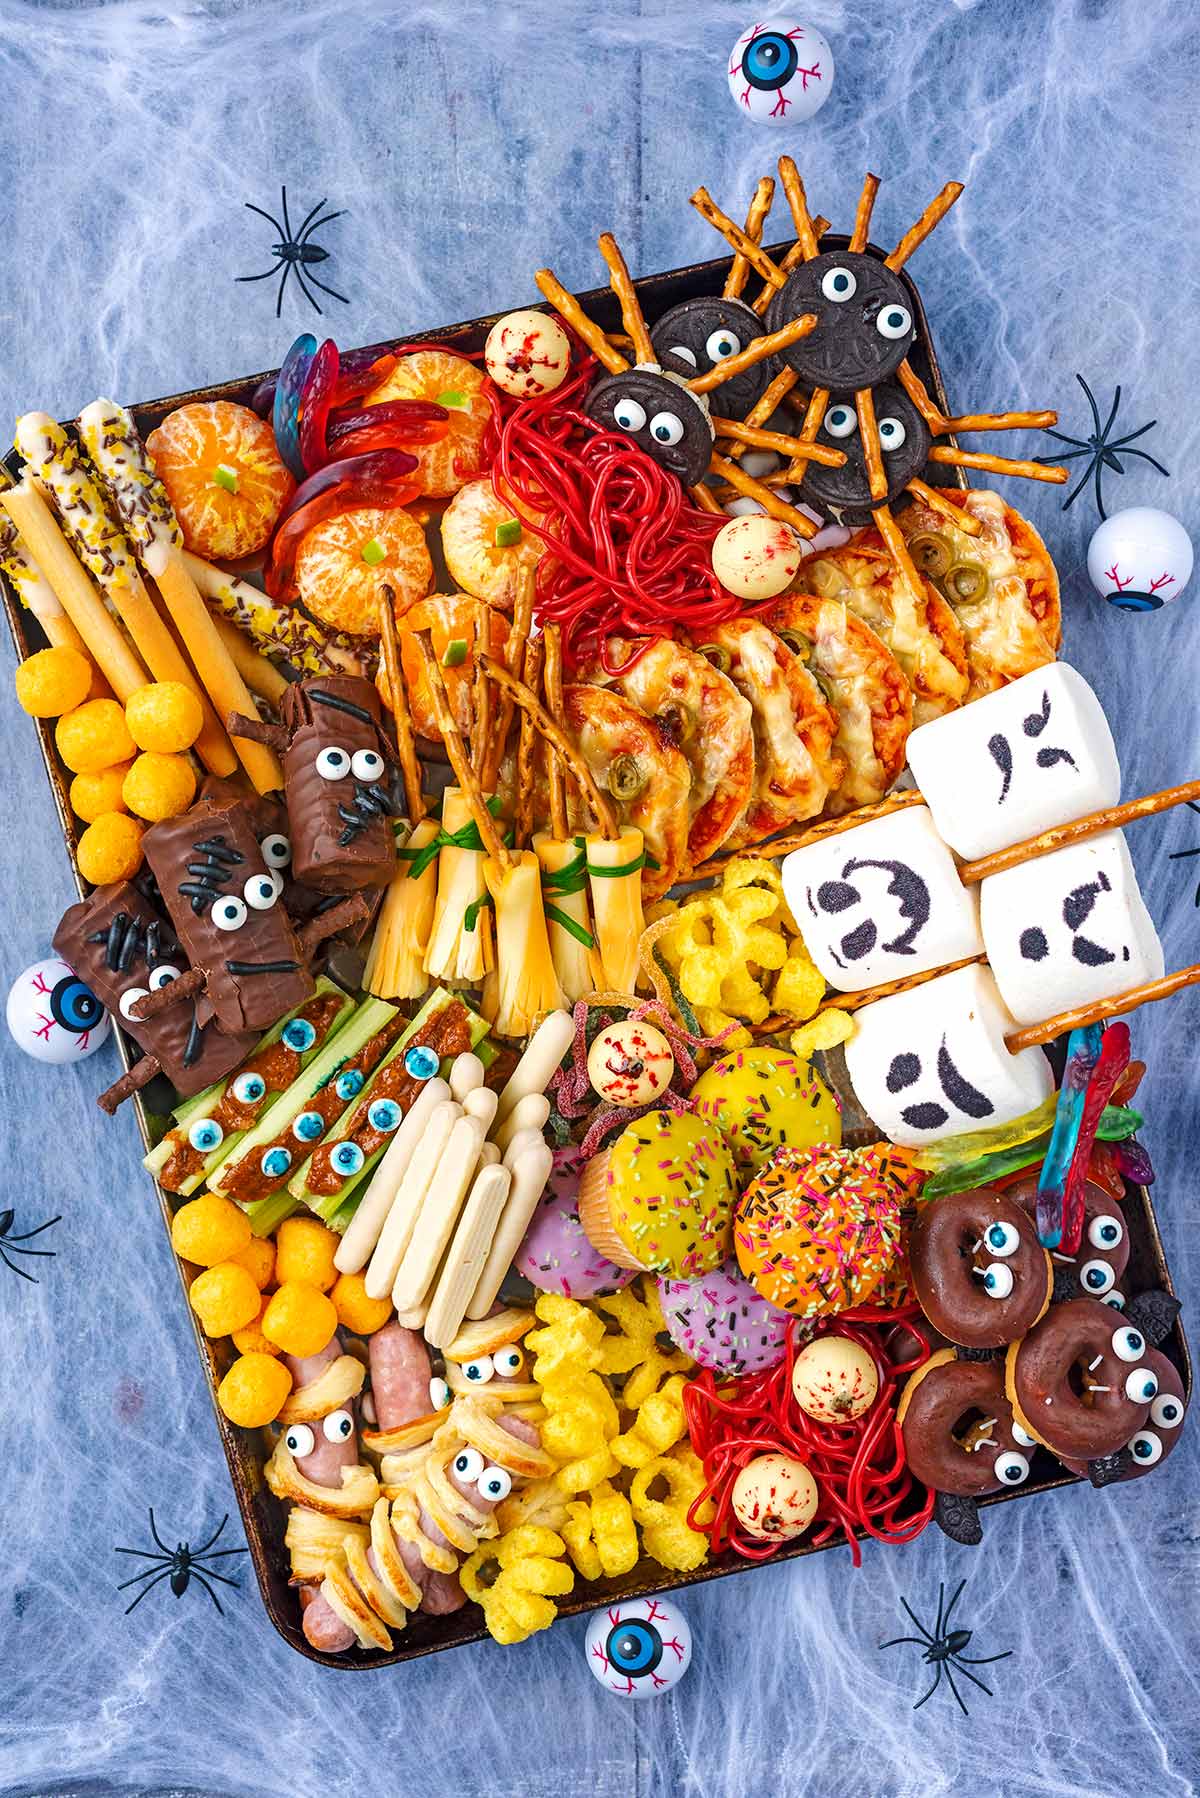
(761, 1099)
(671, 1187)
(111, 440)
(62, 467)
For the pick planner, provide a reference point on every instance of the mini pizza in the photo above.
(634, 760)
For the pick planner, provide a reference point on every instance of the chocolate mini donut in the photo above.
(978, 1269)
(1095, 1271)
(1080, 1382)
(865, 326)
(661, 417)
(959, 1432)
(700, 334)
(904, 441)
(1157, 1436)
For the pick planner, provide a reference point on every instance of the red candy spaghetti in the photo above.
(862, 1479)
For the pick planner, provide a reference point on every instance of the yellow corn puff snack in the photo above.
(800, 986)
(825, 1031)
(659, 1425)
(516, 1578)
(667, 1537)
(600, 1534)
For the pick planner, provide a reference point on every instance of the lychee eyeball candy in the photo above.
(774, 1498)
(527, 354)
(756, 557)
(834, 1380)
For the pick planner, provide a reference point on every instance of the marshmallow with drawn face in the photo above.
(933, 1062)
(881, 901)
(1037, 752)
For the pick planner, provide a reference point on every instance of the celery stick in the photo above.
(266, 1215)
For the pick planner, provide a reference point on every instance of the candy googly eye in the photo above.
(299, 1035)
(421, 1062)
(892, 435)
(1128, 1344)
(440, 1394)
(349, 1084)
(275, 1161)
(248, 1089)
(479, 1371)
(1141, 1385)
(347, 1160)
(628, 415)
(1096, 1277)
(997, 1280)
(299, 1441)
(333, 763)
(308, 1126)
(681, 350)
(384, 1115)
(1106, 1232)
(162, 976)
(838, 284)
(1002, 1239)
(276, 850)
(129, 999)
(469, 1464)
(508, 1363)
(367, 764)
(841, 421)
(1011, 1469)
(1022, 1436)
(262, 890)
(205, 1135)
(721, 346)
(229, 912)
(666, 428)
(1115, 1299)
(1167, 1411)
(337, 1427)
(1146, 1448)
(893, 321)
(494, 1484)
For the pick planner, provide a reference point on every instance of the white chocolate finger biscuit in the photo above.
(530, 1172)
(394, 1237)
(439, 1213)
(467, 1255)
(364, 1228)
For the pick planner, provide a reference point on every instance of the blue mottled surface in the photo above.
(467, 145)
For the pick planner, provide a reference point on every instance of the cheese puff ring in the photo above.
(601, 1535)
(666, 1534)
(659, 1425)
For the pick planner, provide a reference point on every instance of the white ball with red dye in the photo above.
(639, 1647)
(630, 1063)
(527, 354)
(53, 1016)
(756, 557)
(780, 72)
(834, 1380)
(774, 1498)
(1140, 559)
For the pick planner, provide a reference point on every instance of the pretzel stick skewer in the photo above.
(756, 218)
(410, 767)
(1059, 835)
(631, 311)
(568, 307)
(938, 500)
(1030, 471)
(1149, 993)
(862, 217)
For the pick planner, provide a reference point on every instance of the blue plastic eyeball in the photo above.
(348, 1158)
(421, 1062)
(299, 1035)
(349, 1083)
(205, 1135)
(276, 1162)
(384, 1115)
(308, 1126)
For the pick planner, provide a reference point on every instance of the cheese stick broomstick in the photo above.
(563, 859)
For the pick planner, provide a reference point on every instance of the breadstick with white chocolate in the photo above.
(439, 1212)
(538, 1065)
(394, 1237)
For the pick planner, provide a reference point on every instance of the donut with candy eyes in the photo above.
(1095, 1271)
(659, 414)
(1081, 1382)
(1157, 1436)
(959, 1432)
(700, 334)
(978, 1269)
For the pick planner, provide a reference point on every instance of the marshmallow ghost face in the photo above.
(639, 1647)
(53, 1015)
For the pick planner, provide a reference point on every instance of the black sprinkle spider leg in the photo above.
(937, 1680)
(962, 1707)
(216, 1533)
(270, 217)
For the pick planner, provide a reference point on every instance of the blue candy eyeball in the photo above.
(205, 1135)
(421, 1062)
(998, 1280)
(348, 1158)
(1167, 1411)
(1128, 1344)
(1141, 1385)
(276, 1162)
(349, 1083)
(1002, 1239)
(308, 1126)
(299, 1035)
(1146, 1448)
(248, 1089)
(1106, 1232)
(384, 1115)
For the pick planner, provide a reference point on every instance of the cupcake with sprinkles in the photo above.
(556, 1255)
(723, 1322)
(660, 1200)
(766, 1099)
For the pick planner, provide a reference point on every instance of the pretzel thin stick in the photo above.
(893, 537)
(756, 218)
(481, 692)
(921, 397)
(621, 282)
(770, 502)
(937, 501)
(816, 833)
(1001, 421)
(553, 688)
(31, 587)
(1032, 471)
(514, 656)
(44, 541)
(568, 307)
(736, 238)
(862, 217)
(763, 408)
(1059, 835)
(868, 430)
(797, 199)
(558, 740)
(406, 747)
(1149, 993)
(797, 448)
(791, 260)
(464, 774)
(814, 416)
(855, 1001)
(705, 499)
(527, 743)
(929, 221)
(756, 351)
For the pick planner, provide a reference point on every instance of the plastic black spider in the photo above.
(1183, 855)
(296, 253)
(180, 1565)
(1100, 448)
(10, 1245)
(944, 1648)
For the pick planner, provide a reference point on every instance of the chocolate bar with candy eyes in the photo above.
(340, 783)
(116, 941)
(225, 903)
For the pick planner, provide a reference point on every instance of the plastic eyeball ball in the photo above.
(780, 72)
(527, 354)
(640, 1647)
(774, 1498)
(53, 1016)
(756, 557)
(1140, 559)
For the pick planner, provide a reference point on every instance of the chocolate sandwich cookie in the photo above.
(904, 442)
(697, 336)
(658, 413)
(865, 327)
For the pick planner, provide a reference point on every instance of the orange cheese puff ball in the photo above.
(258, 1259)
(94, 794)
(53, 681)
(159, 786)
(94, 736)
(304, 1251)
(356, 1312)
(253, 1391)
(164, 715)
(344, 564)
(227, 481)
(209, 1229)
(249, 1340)
(110, 849)
(224, 1298)
(462, 389)
(299, 1319)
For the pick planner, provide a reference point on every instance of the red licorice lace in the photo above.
(631, 556)
(862, 1478)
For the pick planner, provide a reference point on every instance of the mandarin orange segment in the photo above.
(227, 481)
(486, 543)
(344, 564)
(462, 389)
(450, 619)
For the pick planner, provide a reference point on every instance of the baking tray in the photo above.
(262, 1515)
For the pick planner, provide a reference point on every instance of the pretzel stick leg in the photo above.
(929, 220)
(631, 312)
(464, 774)
(868, 430)
(561, 743)
(798, 448)
(410, 767)
(921, 397)
(1031, 471)
(736, 238)
(791, 260)
(554, 704)
(527, 746)
(814, 417)
(1002, 421)
(568, 307)
(514, 656)
(706, 499)
(937, 500)
(862, 217)
(797, 200)
(770, 502)
(481, 691)
(763, 408)
(756, 217)
(756, 351)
